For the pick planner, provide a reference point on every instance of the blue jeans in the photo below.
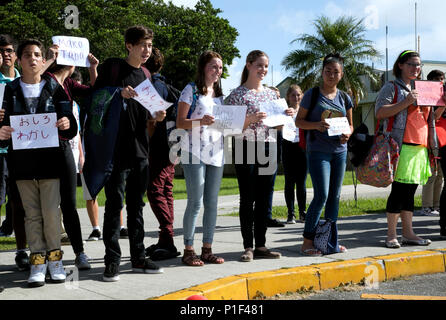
(327, 173)
(202, 185)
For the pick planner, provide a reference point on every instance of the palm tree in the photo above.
(344, 36)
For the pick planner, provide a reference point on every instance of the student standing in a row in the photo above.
(37, 171)
(327, 155)
(255, 180)
(204, 158)
(129, 177)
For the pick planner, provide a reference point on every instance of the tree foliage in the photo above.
(345, 36)
(181, 34)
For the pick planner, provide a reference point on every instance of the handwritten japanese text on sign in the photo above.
(73, 51)
(32, 131)
(430, 93)
(275, 112)
(149, 98)
(229, 117)
(338, 126)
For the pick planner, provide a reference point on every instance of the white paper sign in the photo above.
(32, 131)
(290, 132)
(338, 126)
(149, 98)
(2, 92)
(275, 112)
(73, 51)
(229, 117)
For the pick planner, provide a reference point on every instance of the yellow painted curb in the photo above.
(269, 283)
(317, 277)
(334, 274)
(229, 288)
(413, 263)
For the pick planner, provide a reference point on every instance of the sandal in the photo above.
(248, 255)
(208, 256)
(191, 259)
(393, 244)
(342, 249)
(311, 252)
(266, 254)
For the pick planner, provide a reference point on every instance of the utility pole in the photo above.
(416, 35)
(387, 56)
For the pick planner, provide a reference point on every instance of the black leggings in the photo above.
(401, 197)
(295, 169)
(443, 192)
(68, 185)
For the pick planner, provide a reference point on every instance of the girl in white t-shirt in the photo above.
(203, 157)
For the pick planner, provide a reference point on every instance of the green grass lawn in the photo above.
(347, 208)
(229, 186)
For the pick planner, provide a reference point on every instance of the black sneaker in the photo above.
(302, 216)
(124, 233)
(111, 272)
(22, 261)
(95, 235)
(5, 233)
(157, 252)
(146, 266)
(274, 223)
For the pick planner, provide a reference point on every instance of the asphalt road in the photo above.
(425, 287)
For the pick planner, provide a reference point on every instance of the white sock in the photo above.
(97, 228)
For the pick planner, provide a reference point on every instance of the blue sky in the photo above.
(270, 26)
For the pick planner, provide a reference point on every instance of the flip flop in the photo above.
(311, 252)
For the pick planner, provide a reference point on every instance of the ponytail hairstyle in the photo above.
(200, 78)
(251, 58)
(403, 58)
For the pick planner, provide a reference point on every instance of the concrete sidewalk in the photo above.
(364, 236)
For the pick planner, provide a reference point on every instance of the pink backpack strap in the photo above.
(392, 118)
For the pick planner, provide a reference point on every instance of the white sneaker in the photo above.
(55, 266)
(37, 275)
(57, 271)
(435, 211)
(426, 211)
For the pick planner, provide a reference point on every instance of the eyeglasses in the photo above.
(414, 65)
(7, 50)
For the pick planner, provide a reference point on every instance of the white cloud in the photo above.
(185, 3)
(293, 23)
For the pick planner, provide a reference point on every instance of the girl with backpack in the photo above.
(413, 130)
(202, 155)
(327, 155)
